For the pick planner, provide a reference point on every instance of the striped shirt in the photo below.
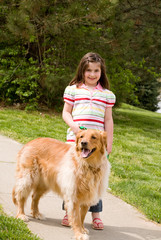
(88, 106)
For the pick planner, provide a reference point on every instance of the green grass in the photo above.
(24, 126)
(15, 229)
(136, 161)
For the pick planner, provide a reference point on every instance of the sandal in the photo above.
(97, 224)
(65, 221)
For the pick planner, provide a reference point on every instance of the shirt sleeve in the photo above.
(111, 99)
(69, 95)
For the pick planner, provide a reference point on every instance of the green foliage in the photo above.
(19, 82)
(137, 31)
(41, 43)
(123, 82)
(147, 87)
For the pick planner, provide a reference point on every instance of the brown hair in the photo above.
(83, 65)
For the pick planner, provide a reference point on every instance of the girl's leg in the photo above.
(65, 221)
(95, 210)
(97, 222)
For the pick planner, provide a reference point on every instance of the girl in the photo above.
(88, 103)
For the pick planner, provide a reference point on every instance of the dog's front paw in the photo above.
(82, 237)
(85, 231)
(38, 216)
(23, 217)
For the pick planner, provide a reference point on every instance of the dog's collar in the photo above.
(94, 169)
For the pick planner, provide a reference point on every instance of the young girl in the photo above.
(88, 103)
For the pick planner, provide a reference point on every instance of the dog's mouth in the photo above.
(85, 153)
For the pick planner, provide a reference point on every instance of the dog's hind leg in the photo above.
(37, 194)
(21, 214)
(22, 190)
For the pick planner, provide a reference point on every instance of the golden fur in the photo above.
(77, 173)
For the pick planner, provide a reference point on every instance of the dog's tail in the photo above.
(14, 196)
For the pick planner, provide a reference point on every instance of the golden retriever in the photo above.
(78, 173)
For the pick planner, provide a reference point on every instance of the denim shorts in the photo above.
(96, 208)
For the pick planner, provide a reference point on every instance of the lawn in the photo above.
(135, 159)
(14, 229)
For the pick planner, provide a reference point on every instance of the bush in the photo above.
(19, 81)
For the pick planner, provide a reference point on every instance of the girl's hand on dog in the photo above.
(75, 128)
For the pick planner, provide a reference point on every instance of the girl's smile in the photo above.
(92, 74)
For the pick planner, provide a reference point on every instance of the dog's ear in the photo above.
(77, 138)
(104, 139)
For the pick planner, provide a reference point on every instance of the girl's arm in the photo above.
(109, 128)
(67, 116)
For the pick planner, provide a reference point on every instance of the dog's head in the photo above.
(91, 143)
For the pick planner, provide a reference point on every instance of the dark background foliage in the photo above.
(42, 42)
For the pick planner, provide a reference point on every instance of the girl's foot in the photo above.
(97, 224)
(65, 221)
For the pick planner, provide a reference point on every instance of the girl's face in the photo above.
(92, 74)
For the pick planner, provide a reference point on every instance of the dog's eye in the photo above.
(81, 136)
(93, 137)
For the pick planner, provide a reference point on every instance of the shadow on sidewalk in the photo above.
(109, 232)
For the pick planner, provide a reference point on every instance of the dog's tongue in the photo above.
(85, 153)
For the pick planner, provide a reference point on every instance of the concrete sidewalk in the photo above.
(121, 221)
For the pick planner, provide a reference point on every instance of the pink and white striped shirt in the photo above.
(88, 106)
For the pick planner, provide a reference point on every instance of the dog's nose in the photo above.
(84, 143)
